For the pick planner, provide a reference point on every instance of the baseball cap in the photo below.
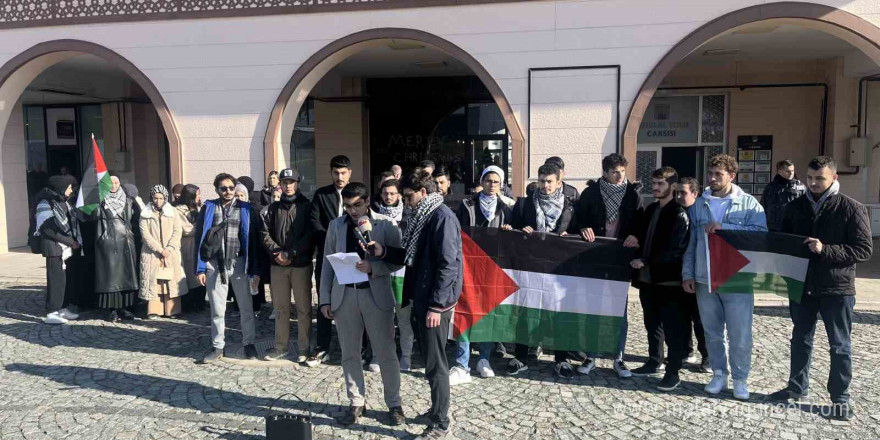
(289, 174)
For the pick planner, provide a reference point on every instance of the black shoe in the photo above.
(535, 353)
(786, 395)
(669, 382)
(214, 355)
(515, 367)
(842, 412)
(648, 369)
(705, 367)
(396, 416)
(500, 351)
(424, 418)
(250, 352)
(351, 417)
(434, 433)
(274, 355)
(113, 317)
(126, 315)
(319, 357)
(564, 370)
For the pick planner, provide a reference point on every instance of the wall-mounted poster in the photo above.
(755, 155)
(61, 125)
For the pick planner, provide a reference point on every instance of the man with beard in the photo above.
(784, 188)
(662, 230)
(367, 305)
(839, 236)
(287, 239)
(434, 274)
(57, 225)
(607, 209)
(326, 206)
(722, 206)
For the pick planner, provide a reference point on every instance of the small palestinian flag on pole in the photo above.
(758, 262)
(397, 284)
(96, 182)
(540, 289)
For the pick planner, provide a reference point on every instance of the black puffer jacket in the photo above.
(50, 231)
(777, 195)
(843, 227)
(288, 228)
(590, 210)
(670, 241)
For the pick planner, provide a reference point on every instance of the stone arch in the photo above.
(313, 69)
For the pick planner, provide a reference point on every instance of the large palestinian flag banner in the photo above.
(541, 289)
(758, 262)
(96, 182)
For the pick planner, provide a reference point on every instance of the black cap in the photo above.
(289, 174)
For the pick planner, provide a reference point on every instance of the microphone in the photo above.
(365, 227)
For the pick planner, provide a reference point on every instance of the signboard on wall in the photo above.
(671, 120)
(755, 158)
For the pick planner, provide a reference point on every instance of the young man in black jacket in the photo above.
(779, 193)
(839, 235)
(433, 281)
(326, 206)
(287, 238)
(607, 209)
(547, 210)
(662, 232)
(571, 193)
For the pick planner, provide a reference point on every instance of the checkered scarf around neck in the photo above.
(115, 201)
(416, 223)
(548, 209)
(232, 215)
(612, 196)
(395, 212)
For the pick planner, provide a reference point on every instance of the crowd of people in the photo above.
(178, 252)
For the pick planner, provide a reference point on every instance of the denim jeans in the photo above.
(733, 312)
(836, 312)
(463, 352)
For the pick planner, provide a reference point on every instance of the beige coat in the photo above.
(188, 246)
(151, 251)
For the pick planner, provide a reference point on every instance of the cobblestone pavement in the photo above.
(96, 380)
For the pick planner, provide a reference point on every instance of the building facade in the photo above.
(176, 91)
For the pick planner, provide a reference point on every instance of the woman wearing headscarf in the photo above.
(258, 292)
(187, 208)
(116, 271)
(57, 226)
(162, 278)
(485, 209)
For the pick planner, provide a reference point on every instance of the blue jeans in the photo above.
(463, 353)
(732, 311)
(621, 346)
(836, 313)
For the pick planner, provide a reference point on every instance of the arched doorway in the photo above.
(415, 54)
(838, 48)
(53, 96)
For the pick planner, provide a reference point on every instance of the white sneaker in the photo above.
(622, 370)
(458, 376)
(740, 390)
(374, 367)
(587, 367)
(692, 359)
(67, 314)
(55, 318)
(718, 383)
(485, 369)
(273, 315)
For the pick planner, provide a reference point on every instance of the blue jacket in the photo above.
(248, 234)
(744, 213)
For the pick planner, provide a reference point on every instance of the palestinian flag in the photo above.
(758, 262)
(541, 289)
(397, 284)
(96, 182)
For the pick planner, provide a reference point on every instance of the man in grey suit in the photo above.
(369, 304)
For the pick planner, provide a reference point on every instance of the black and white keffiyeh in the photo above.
(115, 201)
(488, 205)
(612, 196)
(416, 223)
(548, 209)
(395, 212)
